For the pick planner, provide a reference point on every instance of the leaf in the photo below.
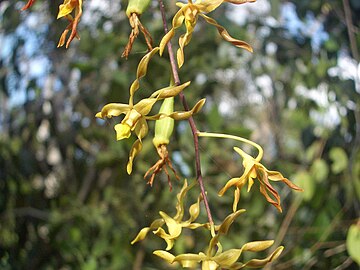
(353, 242)
(339, 158)
(307, 183)
(319, 170)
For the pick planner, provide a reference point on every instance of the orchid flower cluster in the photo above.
(137, 114)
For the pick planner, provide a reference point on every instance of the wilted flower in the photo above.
(255, 170)
(188, 14)
(174, 224)
(136, 115)
(134, 10)
(215, 258)
(28, 4)
(65, 10)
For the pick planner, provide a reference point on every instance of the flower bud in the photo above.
(165, 126)
(137, 6)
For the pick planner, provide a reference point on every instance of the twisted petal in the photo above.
(184, 39)
(144, 231)
(225, 35)
(135, 149)
(141, 72)
(258, 263)
(170, 91)
(177, 21)
(167, 237)
(179, 115)
(113, 109)
(180, 201)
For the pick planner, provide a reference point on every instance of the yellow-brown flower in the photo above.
(255, 170)
(188, 14)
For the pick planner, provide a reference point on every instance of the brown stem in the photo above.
(193, 127)
(349, 24)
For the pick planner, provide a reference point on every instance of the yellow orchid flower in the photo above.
(188, 14)
(136, 116)
(253, 170)
(174, 224)
(65, 10)
(215, 258)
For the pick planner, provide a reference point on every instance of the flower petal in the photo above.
(164, 255)
(113, 109)
(222, 31)
(227, 258)
(141, 72)
(135, 149)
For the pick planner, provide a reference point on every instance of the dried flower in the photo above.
(65, 10)
(134, 10)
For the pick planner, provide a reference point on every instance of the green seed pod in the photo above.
(165, 126)
(137, 6)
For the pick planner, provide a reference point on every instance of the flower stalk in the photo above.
(192, 124)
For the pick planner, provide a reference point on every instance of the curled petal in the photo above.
(180, 200)
(167, 237)
(194, 210)
(222, 31)
(165, 40)
(225, 225)
(179, 115)
(257, 246)
(144, 231)
(257, 263)
(66, 8)
(141, 72)
(135, 149)
(113, 109)
(184, 40)
(177, 21)
(236, 198)
(174, 227)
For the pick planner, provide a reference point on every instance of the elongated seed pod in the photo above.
(165, 126)
(137, 6)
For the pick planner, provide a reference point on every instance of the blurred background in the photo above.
(66, 201)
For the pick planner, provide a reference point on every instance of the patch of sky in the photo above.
(312, 27)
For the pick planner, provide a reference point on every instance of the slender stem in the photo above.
(193, 127)
(226, 136)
